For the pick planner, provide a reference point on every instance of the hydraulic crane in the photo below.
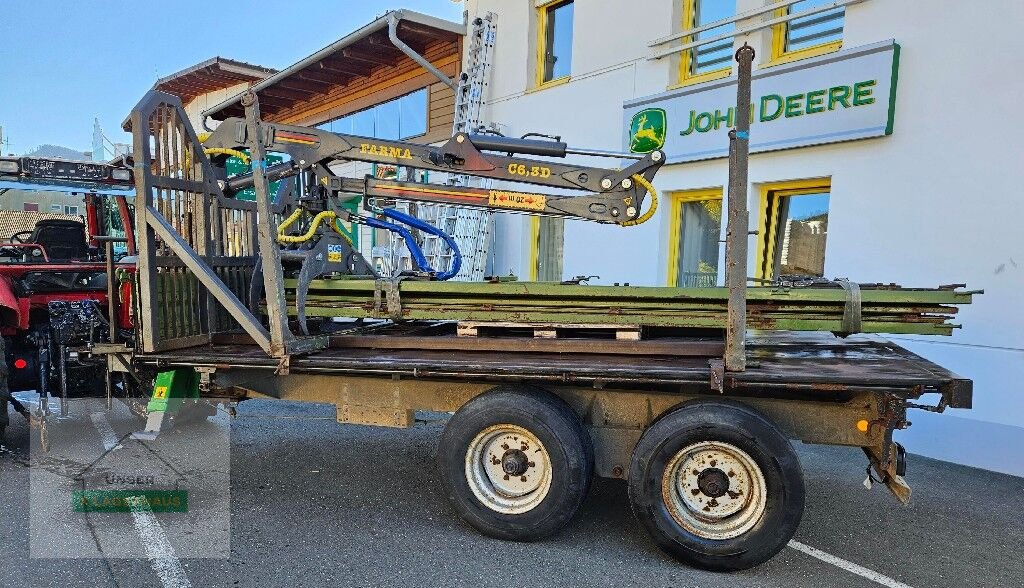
(609, 195)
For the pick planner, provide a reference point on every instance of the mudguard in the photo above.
(10, 310)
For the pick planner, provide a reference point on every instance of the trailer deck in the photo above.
(780, 364)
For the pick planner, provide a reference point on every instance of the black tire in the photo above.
(762, 526)
(566, 443)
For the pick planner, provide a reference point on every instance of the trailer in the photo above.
(699, 419)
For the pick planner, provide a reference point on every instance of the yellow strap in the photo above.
(654, 202)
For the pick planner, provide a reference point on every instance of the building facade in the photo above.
(879, 142)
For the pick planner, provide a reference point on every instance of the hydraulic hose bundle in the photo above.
(410, 241)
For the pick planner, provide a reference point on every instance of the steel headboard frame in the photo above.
(197, 249)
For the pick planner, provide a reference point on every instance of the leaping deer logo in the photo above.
(645, 132)
(648, 130)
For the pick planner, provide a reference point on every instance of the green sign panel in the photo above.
(129, 500)
(235, 166)
(647, 130)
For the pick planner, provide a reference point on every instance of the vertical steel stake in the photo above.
(273, 274)
(737, 227)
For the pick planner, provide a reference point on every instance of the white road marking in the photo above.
(848, 566)
(107, 434)
(158, 548)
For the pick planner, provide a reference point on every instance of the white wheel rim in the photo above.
(508, 469)
(714, 490)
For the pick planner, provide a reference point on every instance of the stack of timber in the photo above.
(882, 308)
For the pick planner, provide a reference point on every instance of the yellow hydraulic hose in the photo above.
(654, 202)
(327, 214)
(220, 151)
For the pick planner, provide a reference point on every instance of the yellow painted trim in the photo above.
(551, 84)
(542, 21)
(769, 197)
(686, 78)
(779, 53)
(675, 207)
(707, 76)
(534, 247)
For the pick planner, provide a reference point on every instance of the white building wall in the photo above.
(937, 202)
(200, 103)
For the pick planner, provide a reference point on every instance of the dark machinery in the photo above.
(609, 195)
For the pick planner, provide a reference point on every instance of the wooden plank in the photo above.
(547, 330)
(672, 347)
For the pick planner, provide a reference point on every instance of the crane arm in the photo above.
(609, 195)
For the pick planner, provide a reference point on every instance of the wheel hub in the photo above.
(713, 482)
(515, 462)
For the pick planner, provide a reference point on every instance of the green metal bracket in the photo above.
(172, 387)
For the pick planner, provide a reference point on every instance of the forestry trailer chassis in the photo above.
(698, 420)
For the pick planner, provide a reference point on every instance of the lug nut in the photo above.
(627, 183)
(606, 183)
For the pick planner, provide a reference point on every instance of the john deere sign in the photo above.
(839, 97)
(647, 130)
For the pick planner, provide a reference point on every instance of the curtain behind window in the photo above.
(550, 244)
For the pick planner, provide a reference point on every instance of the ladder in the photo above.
(470, 228)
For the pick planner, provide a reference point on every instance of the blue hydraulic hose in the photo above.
(410, 242)
(427, 228)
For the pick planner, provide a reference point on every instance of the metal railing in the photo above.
(769, 8)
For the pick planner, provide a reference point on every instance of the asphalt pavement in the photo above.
(315, 503)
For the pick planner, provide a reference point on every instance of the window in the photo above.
(554, 44)
(547, 238)
(714, 60)
(695, 232)
(56, 208)
(394, 120)
(807, 36)
(30, 207)
(794, 229)
(70, 210)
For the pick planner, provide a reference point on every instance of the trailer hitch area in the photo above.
(890, 470)
(887, 458)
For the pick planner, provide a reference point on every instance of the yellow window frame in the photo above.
(686, 77)
(779, 53)
(675, 224)
(534, 246)
(542, 24)
(534, 272)
(771, 195)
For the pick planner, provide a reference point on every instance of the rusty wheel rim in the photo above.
(508, 469)
(714, 490)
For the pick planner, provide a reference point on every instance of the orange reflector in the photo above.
(862, 426)
(20, 363)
